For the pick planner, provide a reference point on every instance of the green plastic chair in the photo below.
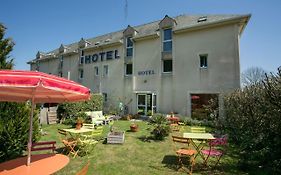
(96, 134)
(197, 129)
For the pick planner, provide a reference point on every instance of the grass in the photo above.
(138, 155)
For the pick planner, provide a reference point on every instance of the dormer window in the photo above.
(62, 48)
(40, 55)
(83, 43)
(202, 19)
(129, 47)
(167, 40)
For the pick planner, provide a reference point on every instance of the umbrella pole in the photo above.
(30, 133)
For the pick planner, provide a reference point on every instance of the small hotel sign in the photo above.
(146, 72)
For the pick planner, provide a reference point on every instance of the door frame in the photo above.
(145, 105)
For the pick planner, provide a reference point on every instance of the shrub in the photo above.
(253, 122)
(68, 112)
(14, 129)
(161, 129)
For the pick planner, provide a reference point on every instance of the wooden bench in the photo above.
(39, 146)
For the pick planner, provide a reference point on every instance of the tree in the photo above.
(252, 76)
(6, 46)
(14, 117)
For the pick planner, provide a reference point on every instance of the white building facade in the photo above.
(155, 67)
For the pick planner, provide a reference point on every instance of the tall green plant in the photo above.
(6, 46)
(161, 128)
(14, 126)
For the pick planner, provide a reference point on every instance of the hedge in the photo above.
(253, 121)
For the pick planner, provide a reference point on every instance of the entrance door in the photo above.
(146, 104)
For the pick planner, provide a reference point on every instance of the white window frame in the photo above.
(163, 66)
(82, 57)
(126, 69)
(205, 66)
(168, 40)
(129, 47)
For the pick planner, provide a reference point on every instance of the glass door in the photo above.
(141, 104)
(146, 104)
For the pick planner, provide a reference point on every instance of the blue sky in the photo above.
(43, 25)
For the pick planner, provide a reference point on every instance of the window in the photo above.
(60, 74)
(61, 61)
(37, 66)
(129, 47)
(167, 40)
(82, 57)
(81, 73)
(105, 70)
(96, 70)
(203, 61)
(104, 97)
(129, 69)
(167, 66)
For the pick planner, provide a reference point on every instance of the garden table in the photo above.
(201, 137)
(75, 133)
(43, 164)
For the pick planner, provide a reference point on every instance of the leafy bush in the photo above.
(161, 127)
(14, 129)
(187, 120)
(253, 122)
(68, 112)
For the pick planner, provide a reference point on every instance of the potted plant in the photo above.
(79, 122)
(134, 127)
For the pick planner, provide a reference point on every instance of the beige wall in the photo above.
(172, 90)
(222, 74)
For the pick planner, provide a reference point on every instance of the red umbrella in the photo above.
(38, 87)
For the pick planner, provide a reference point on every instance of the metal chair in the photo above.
(184, 151)
(217, 148)
(96, 134)
(69, 143)
(196, 129)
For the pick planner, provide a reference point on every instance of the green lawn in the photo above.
(137, 155)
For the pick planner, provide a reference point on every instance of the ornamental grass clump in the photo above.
(161, 128)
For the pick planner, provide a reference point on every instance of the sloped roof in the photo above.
(182, 22)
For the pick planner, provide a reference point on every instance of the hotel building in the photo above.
(161, 66)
